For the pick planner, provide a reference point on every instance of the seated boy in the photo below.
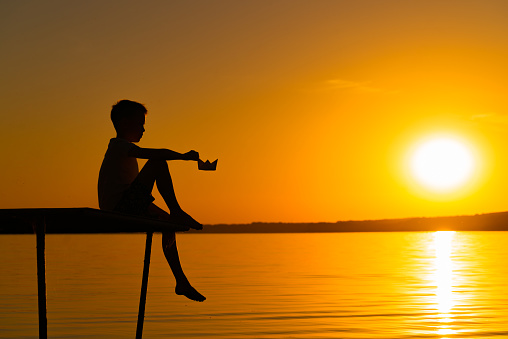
(123, 188)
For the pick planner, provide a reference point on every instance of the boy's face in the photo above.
(132, 128)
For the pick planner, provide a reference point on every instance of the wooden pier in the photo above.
(42, 221)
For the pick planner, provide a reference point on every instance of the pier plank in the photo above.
(80, 220)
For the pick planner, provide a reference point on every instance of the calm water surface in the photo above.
(334, 285)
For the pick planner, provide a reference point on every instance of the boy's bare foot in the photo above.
(189, 291)
(182, 218)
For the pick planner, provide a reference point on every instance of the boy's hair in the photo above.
(125, 109)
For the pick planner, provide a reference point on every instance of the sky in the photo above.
(311, 107)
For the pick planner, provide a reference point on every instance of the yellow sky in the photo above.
(310, 106)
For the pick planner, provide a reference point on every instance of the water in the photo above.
(334, 285)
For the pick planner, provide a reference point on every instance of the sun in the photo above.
(442, 163)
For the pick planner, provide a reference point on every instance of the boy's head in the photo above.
(128, 118)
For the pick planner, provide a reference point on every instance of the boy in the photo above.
(123, 188)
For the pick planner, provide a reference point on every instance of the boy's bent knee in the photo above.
(157, 164)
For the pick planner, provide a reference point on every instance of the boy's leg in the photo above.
(183, 287)
(157, 171)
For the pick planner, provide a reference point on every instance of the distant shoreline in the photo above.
(479, 222)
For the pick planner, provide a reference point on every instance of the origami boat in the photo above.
(207, 165)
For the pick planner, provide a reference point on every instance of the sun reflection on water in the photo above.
(443, 277)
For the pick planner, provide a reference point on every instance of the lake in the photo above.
(316, 285)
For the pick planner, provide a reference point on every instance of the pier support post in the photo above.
(40, 231)
(144, 285)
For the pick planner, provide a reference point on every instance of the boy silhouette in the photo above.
(123, 188)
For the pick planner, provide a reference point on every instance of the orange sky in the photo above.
(310, 106)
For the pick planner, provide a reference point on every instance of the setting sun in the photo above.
(442, 163)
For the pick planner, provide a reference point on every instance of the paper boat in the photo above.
(207, 165)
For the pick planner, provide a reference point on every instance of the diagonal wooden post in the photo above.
(144, 285)
(40, 231)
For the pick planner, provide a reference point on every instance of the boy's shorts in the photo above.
(136, 200)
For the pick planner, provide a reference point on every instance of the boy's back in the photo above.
(118, 171)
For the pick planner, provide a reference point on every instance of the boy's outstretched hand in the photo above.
(191, 155)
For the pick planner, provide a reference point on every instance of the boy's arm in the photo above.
(162, 154)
